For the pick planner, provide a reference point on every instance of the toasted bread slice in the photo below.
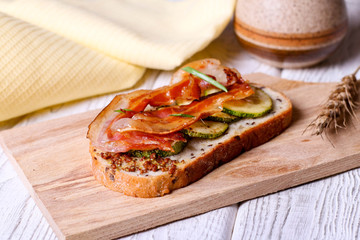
(199, 157)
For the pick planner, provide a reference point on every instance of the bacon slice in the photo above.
(145, 130)
(135, 140)
(161, 122)
(189, 89)
(211, 67)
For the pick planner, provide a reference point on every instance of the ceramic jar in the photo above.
(290, 33)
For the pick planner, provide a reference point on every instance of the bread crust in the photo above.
(159, 185)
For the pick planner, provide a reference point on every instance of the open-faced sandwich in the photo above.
(149, 142)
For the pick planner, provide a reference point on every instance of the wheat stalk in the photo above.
(340, 104)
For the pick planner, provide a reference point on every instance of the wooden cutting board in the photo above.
(53, 161)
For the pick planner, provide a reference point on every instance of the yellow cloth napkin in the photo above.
(39, 68)
(125, 36)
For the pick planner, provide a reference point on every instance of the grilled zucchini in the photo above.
(206, 129)
(253, 106)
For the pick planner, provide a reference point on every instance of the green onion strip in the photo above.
(205, 78)
(121, 110)
(182, 115)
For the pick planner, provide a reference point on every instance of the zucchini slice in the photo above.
(206, 129)
(210, 91)
(183, 102)
(177, 146)
(253, 106)
(222, 117)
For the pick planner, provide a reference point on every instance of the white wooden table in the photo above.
(324, 209)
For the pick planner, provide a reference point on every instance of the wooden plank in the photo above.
(52, 158)
(326, 209)
(215, 225)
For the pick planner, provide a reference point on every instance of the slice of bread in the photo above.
(199, 157)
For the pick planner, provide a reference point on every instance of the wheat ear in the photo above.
(341, 102)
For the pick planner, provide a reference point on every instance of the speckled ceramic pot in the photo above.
(290, 33)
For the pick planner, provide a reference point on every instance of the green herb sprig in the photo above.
(205, 78)
(122, 110)
(182, 115)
